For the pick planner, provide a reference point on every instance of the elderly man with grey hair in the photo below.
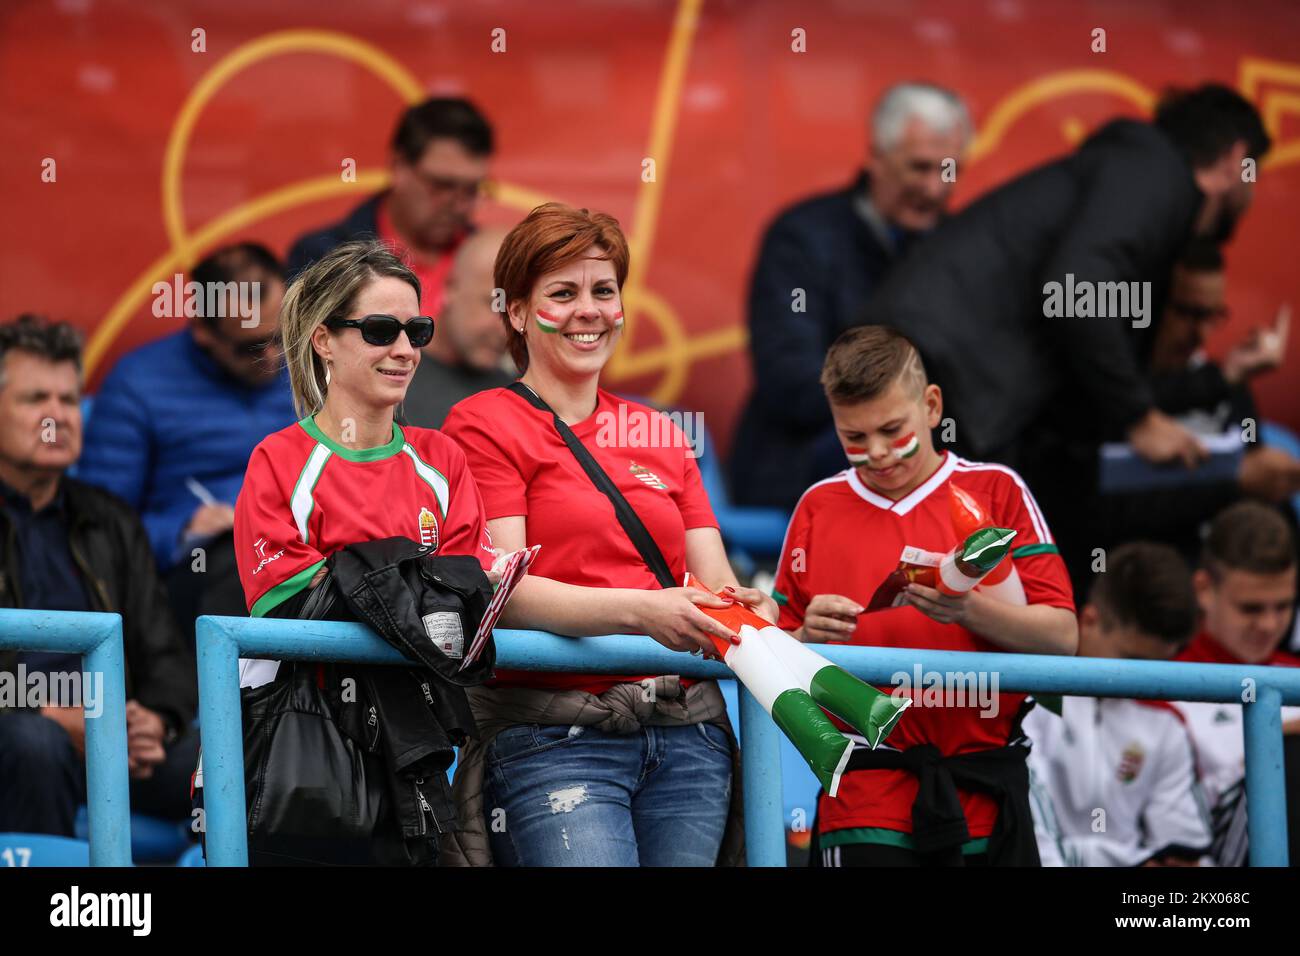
(819, 262)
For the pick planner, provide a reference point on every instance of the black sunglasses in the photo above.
(384, 329)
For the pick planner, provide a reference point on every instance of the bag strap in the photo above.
(627, 516)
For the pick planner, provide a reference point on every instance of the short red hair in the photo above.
(551, 237)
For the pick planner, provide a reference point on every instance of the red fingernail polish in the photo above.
(729, 588)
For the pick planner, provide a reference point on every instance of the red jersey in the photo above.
(305, 496)
(523, 467)
(1204, 649)
(846, 539)
(432, 273)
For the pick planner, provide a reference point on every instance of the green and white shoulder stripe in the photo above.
(432, 477)
(302, 501)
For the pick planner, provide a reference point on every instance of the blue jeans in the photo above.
(578, 796)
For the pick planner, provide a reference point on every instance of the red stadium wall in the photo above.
(163, 152)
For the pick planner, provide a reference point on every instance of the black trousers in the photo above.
(43, 778)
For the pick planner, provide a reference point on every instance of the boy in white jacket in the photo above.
(1113, 782)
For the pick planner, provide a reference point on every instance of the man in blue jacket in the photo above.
(819, 262)
(175, 421)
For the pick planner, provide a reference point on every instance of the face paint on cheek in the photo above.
(547, 323)
(618, 320)
(856, 455)
(906, 447)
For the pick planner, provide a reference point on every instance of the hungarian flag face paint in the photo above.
(550, 323)
(906, 447)
(858, 456)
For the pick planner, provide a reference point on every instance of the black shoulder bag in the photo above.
(627, 517)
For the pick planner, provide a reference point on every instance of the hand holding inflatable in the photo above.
(794, 682)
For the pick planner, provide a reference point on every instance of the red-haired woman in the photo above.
(591, 769)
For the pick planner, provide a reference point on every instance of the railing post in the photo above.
(760, 759)
(221, 729)
(1265, 780)
(107, 787)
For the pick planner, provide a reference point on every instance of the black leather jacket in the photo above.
(112, 552)
(409, 718)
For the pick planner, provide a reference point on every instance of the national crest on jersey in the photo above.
(305, 496)
(428, 532)
(1130, 763)
(647, 477)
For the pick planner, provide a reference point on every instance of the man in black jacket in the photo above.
(980, 297)
(819, 262)
(1211, 397)
(73, 547)
(439, 163)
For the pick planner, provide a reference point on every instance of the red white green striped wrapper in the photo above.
(986, 549)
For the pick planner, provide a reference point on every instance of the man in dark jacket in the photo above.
(69, 546)
(1211, 398)
(440, 154)
(981, 296)
(1034, 307)
(819, 262)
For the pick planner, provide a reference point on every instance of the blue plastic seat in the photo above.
(193, 856)
(758, 532)
(42, 849)
(152, 840)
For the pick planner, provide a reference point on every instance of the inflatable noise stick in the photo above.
(971, 561)
(968, 516)
(794, 682)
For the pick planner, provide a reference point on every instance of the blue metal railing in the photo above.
(98, 638)
(221, 641)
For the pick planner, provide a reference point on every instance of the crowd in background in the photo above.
(133, 509)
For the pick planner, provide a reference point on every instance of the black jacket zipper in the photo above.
(425, 808)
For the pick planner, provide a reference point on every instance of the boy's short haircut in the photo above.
(865, 361)
(1147, 587)
(1248, 536)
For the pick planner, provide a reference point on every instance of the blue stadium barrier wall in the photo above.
(98, 638)
(221, 641)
